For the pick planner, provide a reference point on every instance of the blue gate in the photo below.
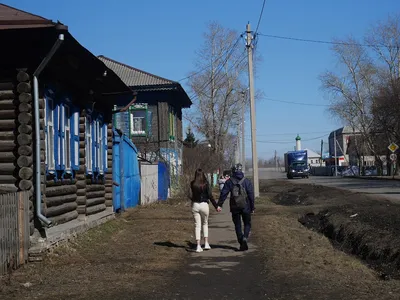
(116, 173)
(125, 173)
(163, 180)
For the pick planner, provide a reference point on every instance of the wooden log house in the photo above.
(76, 92)
(154, 120)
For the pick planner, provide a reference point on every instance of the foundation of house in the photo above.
(65, 232)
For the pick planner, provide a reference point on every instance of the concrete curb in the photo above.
(387, 178)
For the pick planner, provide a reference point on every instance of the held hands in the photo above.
(219, 209)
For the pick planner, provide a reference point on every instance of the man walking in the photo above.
(241, 203)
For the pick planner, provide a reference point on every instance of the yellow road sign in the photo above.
(393, 147)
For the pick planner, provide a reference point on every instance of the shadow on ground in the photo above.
(190, 246)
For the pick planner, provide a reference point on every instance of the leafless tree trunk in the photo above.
(217, 98)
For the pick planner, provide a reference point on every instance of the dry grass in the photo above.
(130, 257)
(305, 262)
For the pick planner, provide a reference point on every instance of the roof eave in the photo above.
(185, 100)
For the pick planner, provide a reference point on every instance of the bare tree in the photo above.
(366, 93)
(217, 98)
(384, 40)
(352, 91)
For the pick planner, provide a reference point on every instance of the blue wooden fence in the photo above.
(125, 172)
(163, 180)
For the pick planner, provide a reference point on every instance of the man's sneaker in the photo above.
(243, 245)
(207, 247)
(199, 249)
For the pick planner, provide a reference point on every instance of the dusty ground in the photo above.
(304, 264)
(307, 246)
(128, 258)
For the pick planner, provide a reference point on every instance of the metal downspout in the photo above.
(43, 64)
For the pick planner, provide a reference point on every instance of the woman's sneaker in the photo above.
(199, 249)
(207, 247)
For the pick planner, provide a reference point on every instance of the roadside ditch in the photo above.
(365, 226)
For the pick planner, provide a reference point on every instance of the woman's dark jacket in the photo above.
(203, 194)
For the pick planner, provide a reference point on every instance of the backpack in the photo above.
(239, 194)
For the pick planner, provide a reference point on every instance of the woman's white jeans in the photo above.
(200, 212)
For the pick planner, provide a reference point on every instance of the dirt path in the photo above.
(146, 254)
(123, 259)
(222, 272)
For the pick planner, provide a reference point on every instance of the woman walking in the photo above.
(221, 182)
(201, 196)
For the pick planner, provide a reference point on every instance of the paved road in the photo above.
(387, 188)
(222, 272)
(267, 173)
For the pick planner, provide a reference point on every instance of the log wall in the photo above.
(80, 174)
(8, 135)
(62, 199)
(16, 156)
(91, 192)
(24, 138)
(95, 194)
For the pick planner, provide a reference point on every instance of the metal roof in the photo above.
(344, 130)
(134, 77)
(311, 153)
(13, 18)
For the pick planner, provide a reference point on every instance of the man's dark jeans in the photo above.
(237, 218)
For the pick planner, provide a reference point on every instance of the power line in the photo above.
(318, 41)
(296, 103)
(260, 18)
(291, 142)
(229, 50)
(219, 68)
(194, 74)
(290, 133)
(202, 89)
(195, 95)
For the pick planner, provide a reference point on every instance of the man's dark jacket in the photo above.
(247, 185)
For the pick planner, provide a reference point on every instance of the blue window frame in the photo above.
(61, 135)
(96, 144)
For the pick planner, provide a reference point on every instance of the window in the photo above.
(61, 135)
(138, 122)
(67, 138)
(89, 144)
(101, 148)
(75, 140)
(96, 145)
(49, 133)
(172, 124)
(105, 134)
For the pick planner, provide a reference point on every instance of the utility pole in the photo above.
(249, 47)
(334, 141)
(276, 161)
(243, 146)
(322, 149)
(237, 152)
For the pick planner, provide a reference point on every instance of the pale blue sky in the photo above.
(161, 37)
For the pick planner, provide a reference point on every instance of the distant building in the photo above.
(313, 158)
(298, 143)
(349, 147)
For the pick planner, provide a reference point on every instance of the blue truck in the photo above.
(296, 164)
